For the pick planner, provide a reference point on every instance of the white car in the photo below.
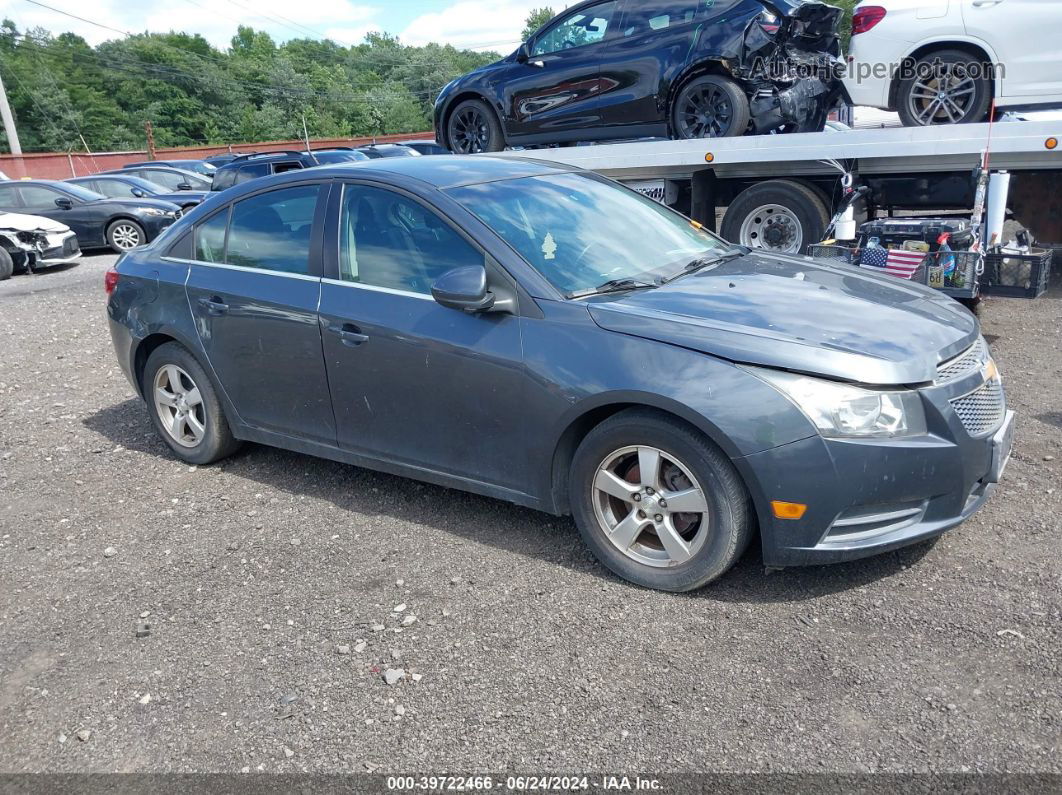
(28, 242)
(943, 61)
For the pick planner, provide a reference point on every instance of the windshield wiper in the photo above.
(613, 286)
(704, 262)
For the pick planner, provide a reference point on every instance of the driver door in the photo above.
(557, 88)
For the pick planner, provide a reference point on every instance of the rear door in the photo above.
(558, 89)
(253, 288)
(1024, 35)
(653, 41)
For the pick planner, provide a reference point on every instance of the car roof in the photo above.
(450, 171)
(51, 183)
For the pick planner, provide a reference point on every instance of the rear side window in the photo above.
(271, 231)
(287, 165)
(210, 238)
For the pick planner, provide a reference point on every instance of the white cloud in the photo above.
(476, 24)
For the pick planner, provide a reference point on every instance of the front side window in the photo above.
(271, 231)
(112, 188)
(163, 178)
(253, 171)
(588, 26)
(387, 240)
(662, 14)
(580, 231)
(34, 197)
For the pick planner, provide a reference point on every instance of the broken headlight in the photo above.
(35, 239)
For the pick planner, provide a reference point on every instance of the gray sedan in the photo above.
(547, 337)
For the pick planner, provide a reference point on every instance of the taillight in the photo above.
(110, 281)
(866, 18)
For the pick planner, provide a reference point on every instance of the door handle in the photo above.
(986, 3)
(214, 305)
(537, 64)
(350, 335)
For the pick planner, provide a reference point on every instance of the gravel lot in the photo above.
(274, 586)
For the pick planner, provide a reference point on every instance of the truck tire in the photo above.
(711, 106)
(473, 127)
(780, 215)
(7, 267)
(948, 87)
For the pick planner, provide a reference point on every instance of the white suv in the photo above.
(942, 61)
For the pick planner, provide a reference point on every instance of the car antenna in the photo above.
(306, 135)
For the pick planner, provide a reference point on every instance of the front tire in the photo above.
(711, 106)
(124, 235)
(780, 215)
(657, 502)
(473, 127)
(948, 87)
(184, 407)
(7, 266)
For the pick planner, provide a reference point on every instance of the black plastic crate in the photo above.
(1017, 275)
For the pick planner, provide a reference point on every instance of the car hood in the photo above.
(799, 314)
(30, 223)
(134, 204)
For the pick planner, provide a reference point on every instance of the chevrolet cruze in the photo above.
(545, 336)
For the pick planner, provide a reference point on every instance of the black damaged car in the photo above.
(610, 69)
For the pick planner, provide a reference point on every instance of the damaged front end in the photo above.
(34, 242)
(791, 67)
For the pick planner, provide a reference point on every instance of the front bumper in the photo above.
(63, 249)
(868, 496)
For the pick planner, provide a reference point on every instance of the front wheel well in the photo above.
(936, 46)
(577, 430)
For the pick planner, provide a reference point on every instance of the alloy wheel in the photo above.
(179, 405)
(650, 506)
(945, 96)
(125, 236)
(772, 227)
(705, 112)
(469, 131)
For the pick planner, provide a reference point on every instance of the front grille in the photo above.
(982, 410)
(969, 361)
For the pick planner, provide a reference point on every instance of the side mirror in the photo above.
(464, 289)
(523, 55)
(63, 203)
(184, 186)
(138, 193)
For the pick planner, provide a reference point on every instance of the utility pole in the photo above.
(9, 122)
(150, 132)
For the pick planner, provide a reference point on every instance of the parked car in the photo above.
(426, 147)
(941, 63)
(29, 242)
(118, 186)
(222, 159)
(545, 336)
(378, 151)
(612, 69)
(262, 164)
(172, 179)
(202, 167)
(98, 221)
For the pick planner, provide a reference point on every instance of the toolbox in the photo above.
(894, 232)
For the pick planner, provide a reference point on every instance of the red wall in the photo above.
(53, 165)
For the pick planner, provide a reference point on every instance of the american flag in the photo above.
(896, 262)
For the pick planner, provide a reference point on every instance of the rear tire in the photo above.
(638, 535)
(967, 98)
(184, 407)
(473, 127)
(7, 266)
(780, 215)
(711, 106)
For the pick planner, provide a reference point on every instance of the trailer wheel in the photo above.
(710, 107)
(7, 266)
(779, 215)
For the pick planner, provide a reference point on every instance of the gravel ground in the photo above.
(279, 589)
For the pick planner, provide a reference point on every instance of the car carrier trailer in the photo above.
(800, 175)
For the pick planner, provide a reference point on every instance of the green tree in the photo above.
(536, 19)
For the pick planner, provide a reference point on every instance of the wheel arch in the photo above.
(456, 100)
(700, 68)
(974, 47)
(588, 415)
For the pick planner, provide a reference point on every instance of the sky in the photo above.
(477, 24)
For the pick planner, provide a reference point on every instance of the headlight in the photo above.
(844, 410)
(157, 211)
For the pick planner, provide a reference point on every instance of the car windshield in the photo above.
(82, 193)
(581, 232)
